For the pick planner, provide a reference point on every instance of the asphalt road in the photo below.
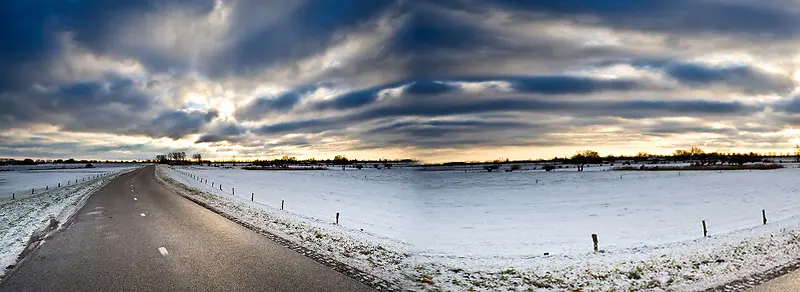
(788, 282)
(135, 235)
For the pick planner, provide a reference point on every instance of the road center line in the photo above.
(163, 251)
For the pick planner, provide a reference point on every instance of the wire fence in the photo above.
(47, 189)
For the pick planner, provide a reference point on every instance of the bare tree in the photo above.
(197, 157)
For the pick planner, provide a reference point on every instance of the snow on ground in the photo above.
(456, 230)
(20, 218)
(21, 179)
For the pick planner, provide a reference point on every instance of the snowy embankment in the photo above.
(489, 231)
(22, 217)
(20, 180)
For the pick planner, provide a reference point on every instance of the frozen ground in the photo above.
(20, 218)
(21, 179)
(459, 230)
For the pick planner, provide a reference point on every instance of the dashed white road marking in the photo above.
(135, 199)
(94, 213)
(131, 191)
(163, 251)
(142, 214)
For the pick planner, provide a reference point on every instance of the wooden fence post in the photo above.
(281, 204)
(252, 195)
(337, 218)
(764, 216)
(594, 241)
(705, 231)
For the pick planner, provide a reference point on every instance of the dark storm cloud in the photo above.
(463, 133)
(745, 77)
(264, 106)
(223, 131)
(210, 138)
(306, 30)
(764, 19)
(110, 105)
(671, 127)
(791, 105)
(443, 131)
(353, 99)
(31, 28)
(433, 30)
(306, 126)
(106, 103)
(548, 85)
(177, 124)
(626, 108)
(569, 84)
(429, 88)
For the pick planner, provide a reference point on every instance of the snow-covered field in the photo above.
(21, 179)
(21, 217)
(451, 227)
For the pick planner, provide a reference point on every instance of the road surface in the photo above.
(788, 282)
(135, 235)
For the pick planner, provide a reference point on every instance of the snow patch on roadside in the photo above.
(21, 218)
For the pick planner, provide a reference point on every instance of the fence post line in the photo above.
(281, 204)
(13, 196)
(252, 195)
(705, 231)
(594, 241)
(764, 216)
(337, 218)
(233, 191)
(31, 191)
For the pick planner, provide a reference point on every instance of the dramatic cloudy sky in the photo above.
(435, 80)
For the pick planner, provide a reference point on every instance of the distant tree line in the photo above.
(693, 155)
(341, 160)
(179, 158)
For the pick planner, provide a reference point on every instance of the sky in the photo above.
(443, 80)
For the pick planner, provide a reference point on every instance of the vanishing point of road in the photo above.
(136, 235)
